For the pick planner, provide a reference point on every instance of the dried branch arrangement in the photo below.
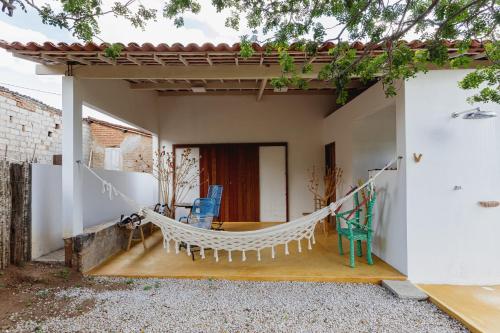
(176, 177)
(331, 180)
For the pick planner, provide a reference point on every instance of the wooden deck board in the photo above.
(477, 307)
(322, 263)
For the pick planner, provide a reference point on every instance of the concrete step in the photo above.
(54, 257)
(404, 289)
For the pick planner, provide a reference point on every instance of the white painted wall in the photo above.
(47, 228)
(97, 208)
(389, 229)
(272, 183)
(237, 119)
(373, 141)
(46, 209)
(451, 239)
(369, 132)
(115, 98)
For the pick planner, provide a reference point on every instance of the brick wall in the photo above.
(30, 128)
(135, 146)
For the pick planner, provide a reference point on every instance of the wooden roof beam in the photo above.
(79, 60)
(108, 60)
(244, 85)
(134, 60)
(249, 85)
(263, 84)
(224, 72)
(159, 60)
(210, 62)
(183, 60)
(52, 59)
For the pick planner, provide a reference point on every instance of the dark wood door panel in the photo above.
(236, 168)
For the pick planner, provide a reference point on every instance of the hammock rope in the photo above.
(176, 233)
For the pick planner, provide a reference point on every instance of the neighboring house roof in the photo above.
(125, 129)
(27, 102)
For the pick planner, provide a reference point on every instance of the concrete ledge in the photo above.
(405, 290)
(95, 245)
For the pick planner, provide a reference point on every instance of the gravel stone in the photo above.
(152, 305)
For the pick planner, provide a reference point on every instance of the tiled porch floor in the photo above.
(477, 307)
(322, 263)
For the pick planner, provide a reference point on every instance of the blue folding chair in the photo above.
(215, 192)
(202, 213)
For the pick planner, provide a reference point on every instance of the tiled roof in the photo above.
(191, 47)
(177, 54)
(91, 120)
(20, 97)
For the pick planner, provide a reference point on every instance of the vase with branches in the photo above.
(176, 175)
(324, 191)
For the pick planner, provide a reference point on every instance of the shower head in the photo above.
(475, 113)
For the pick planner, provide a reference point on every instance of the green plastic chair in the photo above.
(355, 230)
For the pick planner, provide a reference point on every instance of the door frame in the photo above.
(259, 144)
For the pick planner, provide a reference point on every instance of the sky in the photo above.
(18, 74)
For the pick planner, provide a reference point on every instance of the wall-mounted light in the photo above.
(475, 113)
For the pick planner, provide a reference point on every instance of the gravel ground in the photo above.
(223, 306)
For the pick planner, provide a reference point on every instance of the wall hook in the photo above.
(416, 157)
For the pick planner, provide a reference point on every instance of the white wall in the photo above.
(97, 208)
(236, 119)
(369, 132)
(373, 141)
(46, 202)
(451, 239)
(389, 229)
(272, 183)
(115, 98)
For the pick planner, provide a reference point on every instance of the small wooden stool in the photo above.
(132, 239)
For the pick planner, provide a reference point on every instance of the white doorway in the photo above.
(272, 183)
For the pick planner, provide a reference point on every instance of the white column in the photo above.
(71, 153)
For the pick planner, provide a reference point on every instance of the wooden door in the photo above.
(330, 164)
(236, 168)
(330, 160)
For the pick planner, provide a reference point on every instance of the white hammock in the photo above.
(175, 232)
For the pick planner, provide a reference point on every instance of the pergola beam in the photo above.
(106, 59)
(263, 84)
(134, 60)
(224, 72)
(244, 92)
(53, 59)
(79, 60)
(159, 60)
(245, 85)
(183, 60)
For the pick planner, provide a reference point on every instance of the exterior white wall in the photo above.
(237, 119)
(114, 97)
(369, 132)
(389, 229)
(46, 209)
(451, 239)
(373, 141)
(97, 208)
(47, 228)
(272, 183)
